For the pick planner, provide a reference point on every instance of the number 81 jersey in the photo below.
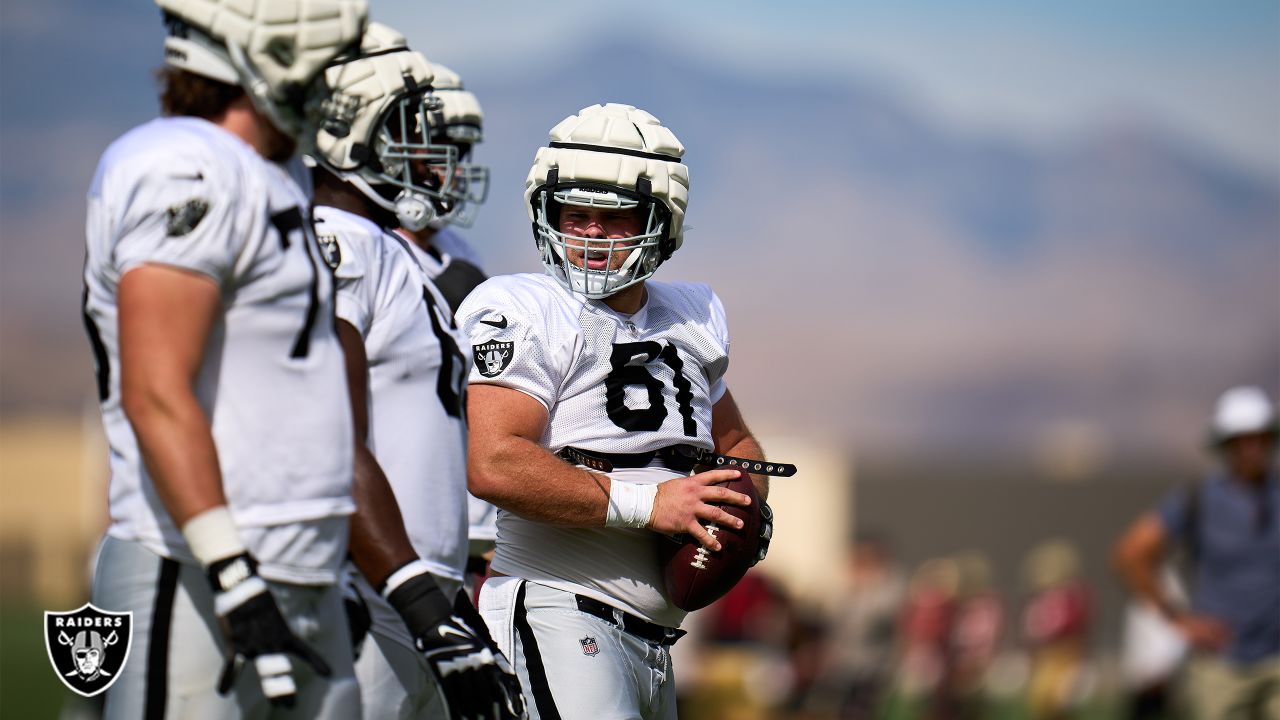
(611, 383)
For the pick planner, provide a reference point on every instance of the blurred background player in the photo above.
(406, 374)
(860, 647)
(221, 378)
(1056, 624)
(1228, 526)
(1152, 652)
(591, 362)
(457, 126)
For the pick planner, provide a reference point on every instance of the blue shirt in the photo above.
(1237, 569)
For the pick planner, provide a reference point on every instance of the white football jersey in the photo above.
(417, 380)
(451, 264)
(611, 383)
(184, 193)
(455, 268)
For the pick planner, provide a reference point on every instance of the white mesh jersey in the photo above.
(184, 193)
(454, 265)
(611, 383)
(417, 376)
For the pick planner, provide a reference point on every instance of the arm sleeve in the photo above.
(354, 296)
(1172, 513)
(180, 217)
(519, 354)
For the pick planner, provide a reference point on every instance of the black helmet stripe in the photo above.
(616, 151)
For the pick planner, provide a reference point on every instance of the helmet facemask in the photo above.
(470, 186)
(645, 250)
(398, 168)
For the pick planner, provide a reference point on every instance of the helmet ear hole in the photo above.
(281, 50)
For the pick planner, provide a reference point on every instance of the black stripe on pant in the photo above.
(158, 649)
(533, 662)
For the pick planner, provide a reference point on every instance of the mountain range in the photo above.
(892, 282)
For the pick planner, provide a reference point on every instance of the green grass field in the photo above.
(28, 687)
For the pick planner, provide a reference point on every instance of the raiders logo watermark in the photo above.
(493, 357)
(88, 647)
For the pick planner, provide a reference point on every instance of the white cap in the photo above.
(1241, 411)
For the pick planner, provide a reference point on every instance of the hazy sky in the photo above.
(1123, 230)
(1040, 70)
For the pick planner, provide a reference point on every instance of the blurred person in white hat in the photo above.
(1228, 528)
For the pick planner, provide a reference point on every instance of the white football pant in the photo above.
(573, 665)
(178, 652)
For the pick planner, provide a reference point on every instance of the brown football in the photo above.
(696, 577)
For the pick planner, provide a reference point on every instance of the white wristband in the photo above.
(409, 570)
(630, 504)
(212, 536)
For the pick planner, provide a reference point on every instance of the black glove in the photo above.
(476, 678)
(255, 630)
(766, 532)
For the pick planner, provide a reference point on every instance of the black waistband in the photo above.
(641, 628)
(606, 462)
(680, 458)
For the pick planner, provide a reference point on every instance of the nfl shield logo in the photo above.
(589, 646)
(88, 647)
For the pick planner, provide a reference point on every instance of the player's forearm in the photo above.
(177, 446)
(1136, 559)
(379, 543)
(748, 447)
(732, 437)
(522, 477)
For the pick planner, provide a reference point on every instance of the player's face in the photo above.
(1249, 456)
(599, 224)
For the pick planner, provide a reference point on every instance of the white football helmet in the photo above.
(459, 122)
(1242, 411)
(375, 129)
(274, 49)
(608, 156)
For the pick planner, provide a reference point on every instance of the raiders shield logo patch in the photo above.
(589, 646)
(88, 647)
(493, 357)
(330, 251)
(184, 217)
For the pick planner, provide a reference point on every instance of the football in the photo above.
(696, 577)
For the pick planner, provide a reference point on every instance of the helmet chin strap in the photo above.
(413, 212)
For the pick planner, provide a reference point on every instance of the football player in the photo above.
(207, 307)
(591, 365)
(407, 377)
(448, 259)
(457, 126)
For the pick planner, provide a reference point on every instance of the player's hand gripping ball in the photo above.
(694, 576)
